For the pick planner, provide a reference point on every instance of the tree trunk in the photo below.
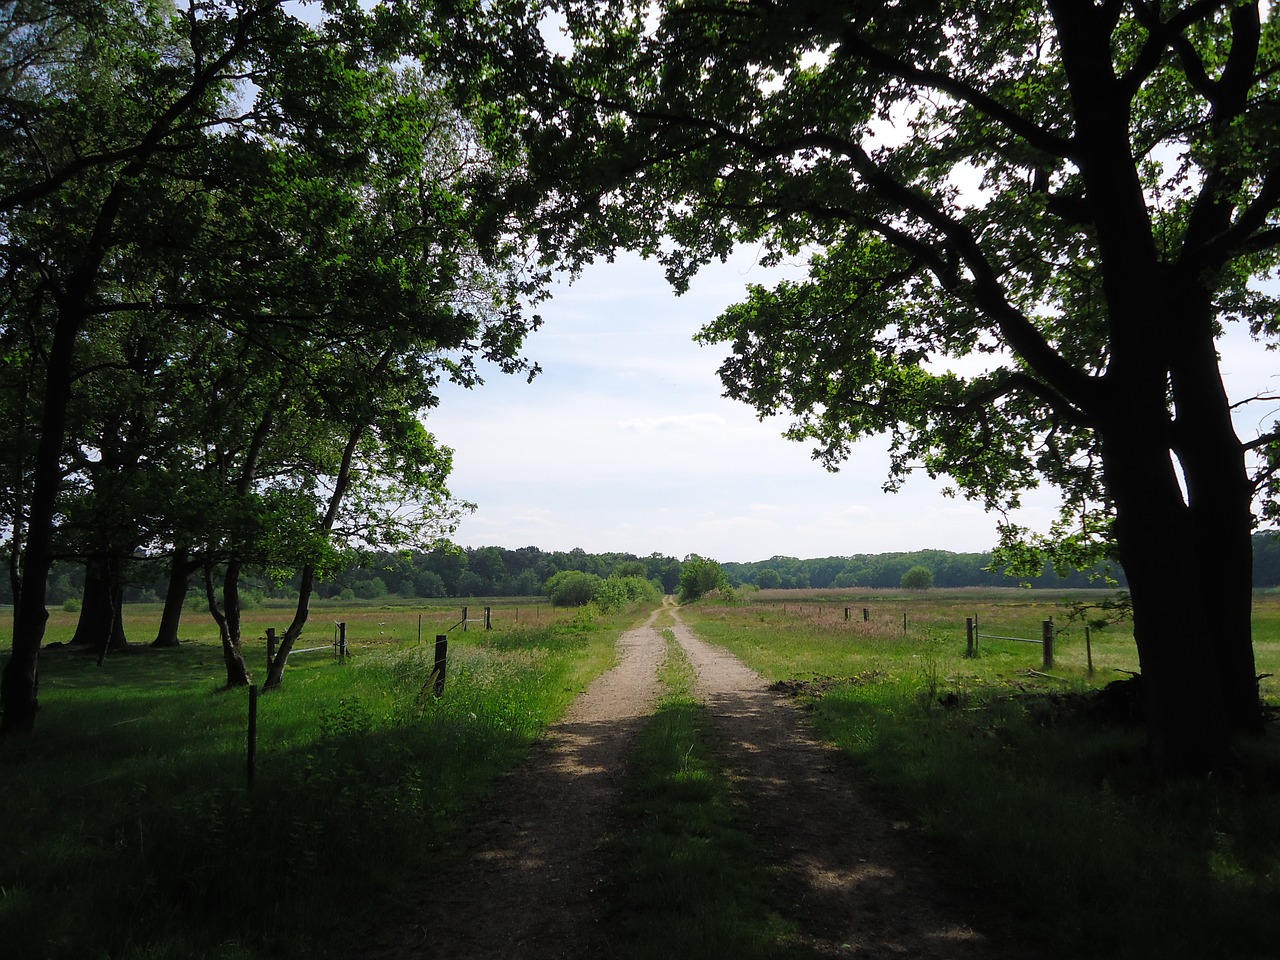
(275, 675)
(180, 569)
(19, 684)
(1184, 705)
(228, 619)
(1220, 498)
(101, 625)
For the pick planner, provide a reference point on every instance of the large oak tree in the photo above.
(1028, 225)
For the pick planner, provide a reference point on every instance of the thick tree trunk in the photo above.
(180, 570)
(1220, 498)
(101, 623)
(1188, 730)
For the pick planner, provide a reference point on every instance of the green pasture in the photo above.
(1051, 814)
(131, 832)
(789, 634)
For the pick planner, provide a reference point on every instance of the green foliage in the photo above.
(1027, 227)
(617, 592)
(699, 577)
(917, 578)
(573, 588)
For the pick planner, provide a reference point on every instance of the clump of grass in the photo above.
(132, 832)
(692, 882)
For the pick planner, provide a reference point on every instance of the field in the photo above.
(130, 830)
(1044, 808)
(788, 634)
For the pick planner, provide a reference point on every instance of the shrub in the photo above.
(917, 578)
(572, 588)
(700, 576)
(619, 592)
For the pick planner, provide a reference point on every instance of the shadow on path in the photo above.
(856, 883)
(536, 859)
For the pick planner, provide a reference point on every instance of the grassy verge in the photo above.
(1050, 812)
(693, 883)
(130, 832)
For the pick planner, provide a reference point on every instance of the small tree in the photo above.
(699, 576)
(917, 578)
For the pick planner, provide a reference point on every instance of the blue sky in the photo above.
(624, 442)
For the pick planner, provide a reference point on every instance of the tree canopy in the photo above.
(1027, 224)
(240, 252)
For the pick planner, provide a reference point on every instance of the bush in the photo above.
(617, 592)
(699, 576)
(71, 605)
(917, 578)
(572, 588)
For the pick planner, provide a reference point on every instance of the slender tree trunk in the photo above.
(275, 675)
(228, 619)
(19, 683)
(180, 570)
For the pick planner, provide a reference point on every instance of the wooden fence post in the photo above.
(464, 619)
(847, 611)
(442, 659)
(1088, 649)
(968, 632)
(342, 640)
(1046, 634)
(488, 618)
(866, 615)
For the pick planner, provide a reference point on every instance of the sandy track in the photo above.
(532, 883)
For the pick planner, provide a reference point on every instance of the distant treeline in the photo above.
(523, 572)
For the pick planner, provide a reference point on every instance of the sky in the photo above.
(624, 443)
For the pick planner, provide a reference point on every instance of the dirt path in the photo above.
(858, 885)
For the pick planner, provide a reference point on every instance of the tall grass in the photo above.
(129, 830)
(1052, 812)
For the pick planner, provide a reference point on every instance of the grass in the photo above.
(1049, 811)
(692, 882)
(130, 831)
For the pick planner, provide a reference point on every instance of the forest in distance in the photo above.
(491, 571)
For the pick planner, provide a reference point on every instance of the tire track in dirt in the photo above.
(857, 883)
(531, 879)
(531, 886)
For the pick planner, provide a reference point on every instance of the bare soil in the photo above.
(531, 878)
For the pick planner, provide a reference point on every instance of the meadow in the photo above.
(1047, 811)
(130, 829)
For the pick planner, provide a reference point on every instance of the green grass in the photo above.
(692, 882)
(130, 831)
(1051, 812)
